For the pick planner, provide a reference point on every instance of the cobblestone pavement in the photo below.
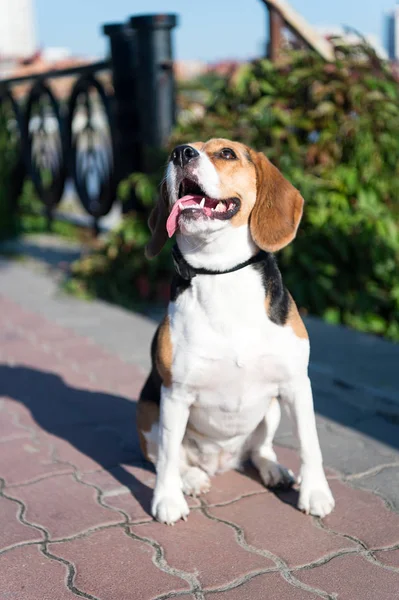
(75, 493)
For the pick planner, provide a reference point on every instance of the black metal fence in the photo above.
(101, 133)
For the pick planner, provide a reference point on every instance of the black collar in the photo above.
(187, 272)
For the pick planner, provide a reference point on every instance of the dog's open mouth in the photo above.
(193, 203)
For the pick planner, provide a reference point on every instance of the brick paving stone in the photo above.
(110, 375)
(9, 336)
(46, 400)
(67, 393)
(112, 566)
(132, 390)
(128, 488)
(271, 586)
(351, 452)
(389, 557)
(99, 406)
(24, 353)
(95, 405)
(206, 547)
(83, 353)
(64, 343)
(24, 460)
(384, 429)
(232, 485)
(41, 330)
(353, 578)
(13, 531)
(385, 483)
(43, 400)
(24, 320)
(25, 574)
(272, 523)
(62, 506)
(95, 446)
(6, 306)
(288, 458)
(111, 368)
(9, 425)
(72, 377)
(363, 515)
(52, 335)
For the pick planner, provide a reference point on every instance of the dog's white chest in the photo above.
(226, 350)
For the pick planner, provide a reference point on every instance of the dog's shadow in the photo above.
(99, 425)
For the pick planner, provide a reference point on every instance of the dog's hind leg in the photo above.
(262, 453)
(194, 479)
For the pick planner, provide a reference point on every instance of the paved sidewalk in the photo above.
(75, 493)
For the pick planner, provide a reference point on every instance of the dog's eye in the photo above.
(228, 154)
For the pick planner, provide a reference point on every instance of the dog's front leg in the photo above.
(315, 496)
(169, 504)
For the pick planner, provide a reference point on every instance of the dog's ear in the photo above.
(157, 224)
(278, 208)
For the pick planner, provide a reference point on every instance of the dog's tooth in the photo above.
(181, 206)
(202, 203)
(220, 207)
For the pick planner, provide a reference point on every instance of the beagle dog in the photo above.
(232, 347)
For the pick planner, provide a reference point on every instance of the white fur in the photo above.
(206, 173)
(212, 252)
(230, 363)
(195, 481)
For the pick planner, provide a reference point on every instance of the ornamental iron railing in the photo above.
(118, 114)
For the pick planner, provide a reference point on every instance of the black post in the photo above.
(155, 82)
(124, 75)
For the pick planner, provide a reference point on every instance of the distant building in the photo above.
(189, 69)
(392, 33)
(224, 67)
(17, 29)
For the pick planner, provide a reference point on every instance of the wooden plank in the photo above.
(302, 28)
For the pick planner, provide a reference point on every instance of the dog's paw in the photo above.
(169, 508)
(275, 475)
(195, 482)
(315, 497)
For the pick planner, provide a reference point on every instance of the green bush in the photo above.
(333, 130)
(118, 270)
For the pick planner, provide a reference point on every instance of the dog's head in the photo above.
(220, 185)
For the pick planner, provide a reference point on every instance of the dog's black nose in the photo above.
(182, 155)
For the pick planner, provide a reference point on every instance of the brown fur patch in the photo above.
(278, 209)
(237, 178)
(164, 353)
(267, 304)
(295, 322)
(147, 416)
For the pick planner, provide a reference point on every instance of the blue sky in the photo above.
(209, 29)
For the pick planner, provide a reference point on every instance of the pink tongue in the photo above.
(171, 224)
